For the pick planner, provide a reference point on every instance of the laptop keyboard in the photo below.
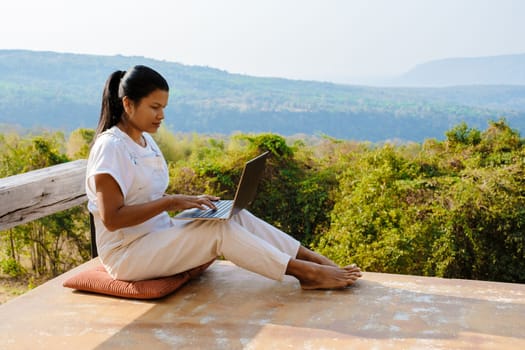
(223, 207)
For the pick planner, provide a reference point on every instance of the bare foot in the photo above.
(317, 276)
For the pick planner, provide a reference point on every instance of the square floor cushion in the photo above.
(97, 280)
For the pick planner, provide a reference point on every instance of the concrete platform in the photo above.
(228, 308)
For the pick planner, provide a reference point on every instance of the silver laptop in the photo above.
(244, 195)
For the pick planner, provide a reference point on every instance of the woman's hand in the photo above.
(182, 202)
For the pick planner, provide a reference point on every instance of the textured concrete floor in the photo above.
(228, 308)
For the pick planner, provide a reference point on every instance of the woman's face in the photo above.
(147, 115)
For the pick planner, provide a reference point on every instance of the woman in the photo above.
(136, 238)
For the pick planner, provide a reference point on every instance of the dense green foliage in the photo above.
(53, 244)
(452, 208)
(62, 91)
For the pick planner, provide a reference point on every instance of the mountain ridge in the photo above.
(484, 70)
(62, 91)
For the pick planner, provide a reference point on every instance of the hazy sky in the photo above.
(335, 40)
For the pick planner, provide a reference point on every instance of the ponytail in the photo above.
(112, 108)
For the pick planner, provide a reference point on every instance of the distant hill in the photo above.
(62, 91)
(493, 70)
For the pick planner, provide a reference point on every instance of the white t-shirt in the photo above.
(142, 175)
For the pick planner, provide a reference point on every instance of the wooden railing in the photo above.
(42, 192)
(39, 193)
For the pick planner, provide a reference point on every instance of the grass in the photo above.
(12, 287)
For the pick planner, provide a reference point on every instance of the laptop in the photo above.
(244, 195)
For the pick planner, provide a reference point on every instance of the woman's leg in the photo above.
(312, 269)
(309, 255)
(271, 234)
(190, 244)
(279, 239)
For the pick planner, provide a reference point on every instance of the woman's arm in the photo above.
(116, 215)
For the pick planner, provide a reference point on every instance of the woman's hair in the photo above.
(136, 83)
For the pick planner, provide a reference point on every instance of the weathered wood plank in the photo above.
(230, 308)
(42, 192)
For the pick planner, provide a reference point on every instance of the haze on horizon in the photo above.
(346, 41)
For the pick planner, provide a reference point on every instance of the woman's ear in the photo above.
(128, 105)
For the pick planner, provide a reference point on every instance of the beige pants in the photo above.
(245, 240)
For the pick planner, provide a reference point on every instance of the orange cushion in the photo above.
(97, 280)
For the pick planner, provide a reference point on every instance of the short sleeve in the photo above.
(109, 156)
